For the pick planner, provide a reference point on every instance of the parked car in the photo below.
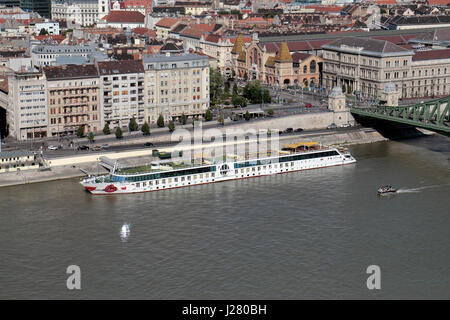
(96, 148)
(148, 144)
(332, 126)
(308, 105)
(83, 147)
(298, 130)
(345, 125)
(105, 146)
(52, 147)
(288, 130)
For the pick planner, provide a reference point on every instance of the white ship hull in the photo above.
(222, 172)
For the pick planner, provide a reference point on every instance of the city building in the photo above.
(123, 19)
(50, 26)
(43, 7)
(219, 48)
(47, 55)
(73, 93)
(12, 161)
(122, 92)
(176, 85)
(82, 12)
(367, 65)
(164, 26)
(104, 6)
(27, 105)
(274, 64)
(10, 3)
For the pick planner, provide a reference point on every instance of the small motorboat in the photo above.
(386, 189)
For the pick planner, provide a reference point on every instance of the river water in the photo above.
(301, 235)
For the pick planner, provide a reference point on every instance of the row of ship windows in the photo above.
(157, 181)
(242, 173)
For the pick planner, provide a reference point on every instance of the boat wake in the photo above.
(417, 190)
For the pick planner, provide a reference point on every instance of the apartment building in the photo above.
(73, 93)
(27, 105)
(367, 65)
(122, 92)
(176, 84)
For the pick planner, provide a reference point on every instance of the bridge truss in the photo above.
(433, 115)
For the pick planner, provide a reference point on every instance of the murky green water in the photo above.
(301, 235)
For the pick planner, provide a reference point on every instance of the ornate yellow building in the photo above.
(273, 64)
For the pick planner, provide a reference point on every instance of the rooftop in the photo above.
(367, 46)
(71, 72)
(122, 16)
(170, 58)
(431, 55)
(167, 22)
(15, 154)
(120, 67)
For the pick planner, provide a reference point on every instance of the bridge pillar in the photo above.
(336, 103)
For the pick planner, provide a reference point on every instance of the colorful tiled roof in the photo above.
(431, 55)
(242, 56)
(283, 54)
(270, 62)
(167, 22)
(121, 16)
(238, 44)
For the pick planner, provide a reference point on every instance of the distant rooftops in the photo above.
(371, 47)
(120, 67)
(431, 55)
(71, 72)
(122, 16)
(174, 58)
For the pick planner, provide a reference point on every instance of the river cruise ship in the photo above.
(168, 175)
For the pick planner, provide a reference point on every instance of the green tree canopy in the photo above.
(247, 116)
(145, 129)
(91, 137)
(118, 133)
(171, 126)
(235, 89)
(254, 92)
(80, 131)
(221, 120)
(215, 83)
(106, 129)
(160, 121)
(239, 101)
(133, 126)
(43, 32)
(208, 115)
(183, 119)
(270, 112)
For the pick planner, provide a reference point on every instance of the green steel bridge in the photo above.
(433, 115)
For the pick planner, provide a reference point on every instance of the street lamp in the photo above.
(262, 98)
